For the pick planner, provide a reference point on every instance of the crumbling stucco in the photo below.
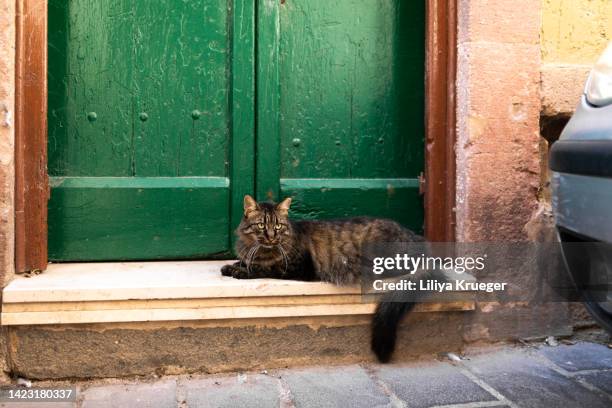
(106, 351)
(561, 87)
(498, 112)
(498, 154)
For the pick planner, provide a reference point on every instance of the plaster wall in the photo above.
(7, 137)
(575, 31)
(573, 35)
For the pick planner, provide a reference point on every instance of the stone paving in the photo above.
(575, 375)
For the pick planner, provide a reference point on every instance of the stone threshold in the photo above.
(74, 293)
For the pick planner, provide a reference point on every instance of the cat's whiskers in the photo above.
(244, 251)
(245, 257)
(285, 258)
(250, 259)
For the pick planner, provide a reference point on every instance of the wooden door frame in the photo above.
(439, 182)
(31, 179)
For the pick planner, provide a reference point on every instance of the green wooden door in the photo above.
(153, 135)
(341, 107)
(150, 113)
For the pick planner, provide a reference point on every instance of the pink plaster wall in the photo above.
(498, 111)
(7, 137)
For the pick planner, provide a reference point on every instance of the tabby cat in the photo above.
(270, 245)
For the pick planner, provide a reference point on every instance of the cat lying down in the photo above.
(270, 245)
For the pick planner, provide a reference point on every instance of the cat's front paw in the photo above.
(226, 270)
(235, 271)
(240, 273)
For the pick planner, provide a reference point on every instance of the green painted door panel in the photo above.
(397, 198)
(182, 83)
(153, 140)
(341, 107)
(117, 215)
(143, 133)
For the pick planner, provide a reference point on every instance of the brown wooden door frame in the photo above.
(31, 180)
(440, 119)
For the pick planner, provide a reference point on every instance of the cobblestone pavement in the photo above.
(568, 375)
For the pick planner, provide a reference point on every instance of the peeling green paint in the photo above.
(153, 133)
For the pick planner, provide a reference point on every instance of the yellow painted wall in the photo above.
(575, 31)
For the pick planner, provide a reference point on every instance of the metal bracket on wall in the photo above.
(422, 183)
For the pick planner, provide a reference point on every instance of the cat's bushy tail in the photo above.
(388, 315)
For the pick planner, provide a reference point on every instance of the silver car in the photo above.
(581, 161)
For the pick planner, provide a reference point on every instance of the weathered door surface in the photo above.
(340, 103)
(142, 126)
(152, 133)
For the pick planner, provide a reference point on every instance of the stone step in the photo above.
(175, 291)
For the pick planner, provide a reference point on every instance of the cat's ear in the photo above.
(284, 205)
(249, 204)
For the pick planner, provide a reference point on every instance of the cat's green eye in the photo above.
(261, 225)
(277, 227)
